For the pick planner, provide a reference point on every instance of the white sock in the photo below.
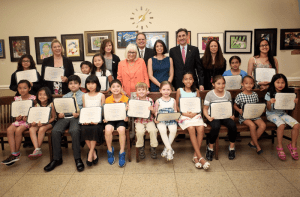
(38, 149)
(211, 149)
(231, 148)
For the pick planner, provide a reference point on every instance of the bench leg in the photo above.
(50, 146)
(217, 149)
(128, 144)
(273, 136)
(2, 143)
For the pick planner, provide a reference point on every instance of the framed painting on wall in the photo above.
(93, 40)
(189, 41)
(2, 49)
(289, 39)
(43, 48)
(268, 34)
(204, 38)
(151, 38)
(18, 45)
(238, 42)
(73, 45)
(125, 38)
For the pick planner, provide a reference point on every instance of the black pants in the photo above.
(215, 129)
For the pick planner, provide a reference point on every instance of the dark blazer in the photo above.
(148, 54)
(115, 62)
(69, 70)
(192, 64)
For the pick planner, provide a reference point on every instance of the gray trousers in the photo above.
(59, 129)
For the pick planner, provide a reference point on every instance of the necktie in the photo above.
(77, 108)
(183, 54)
(142, 54)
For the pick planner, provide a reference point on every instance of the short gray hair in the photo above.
(132, 47)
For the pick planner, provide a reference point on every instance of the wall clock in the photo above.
(141, 18)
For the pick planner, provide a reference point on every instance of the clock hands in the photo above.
(142, 17)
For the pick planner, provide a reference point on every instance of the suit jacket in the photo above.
(192, 64)
(115, 62)
(147, 54)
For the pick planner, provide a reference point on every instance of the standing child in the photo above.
(93, 132)
(235, 63)
(15, 130)
(166, 104)
(44, 99)
(280, 117)
(218, 94)
(86, 68)
(192, 121)
(143, 124)
(120, 126)
(248, 96)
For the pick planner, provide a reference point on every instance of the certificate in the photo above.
(103, 82)
(253, 110)
(168, 116)
(114, 111)
(20, 108)
(233, 82)
(285, 101)
(192, 104)
(64, 105)
(29, 75)
(221, 110)
(90, 114)
(82, 78)
(264, 74)
(53, 74)
(39, 114)
(139, 109)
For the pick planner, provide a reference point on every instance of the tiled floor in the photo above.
(248, 175)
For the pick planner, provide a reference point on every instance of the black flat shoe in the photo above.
(79, 165)
(88, 163)
(52, 165)
(251, 145)
(95, 161)
(260, 152)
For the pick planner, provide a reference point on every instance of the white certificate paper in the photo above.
(253, 110)
(103, 82)
(221, 110)
(64, 105)
(114, 111)
(233, 82)
(168, 116)
(82, 78)
(264, 74)
(90, 114)
(192, 104)
(29, 75)
(285, 101)
(53, 74)
(20, 108)
(39, 114)
(139, 109)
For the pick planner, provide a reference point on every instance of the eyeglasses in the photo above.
(266, 45)
(26, 61)
(130, 52)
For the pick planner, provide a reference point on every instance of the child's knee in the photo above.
(296, 126)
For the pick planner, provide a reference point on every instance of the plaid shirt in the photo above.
(144, 120)
(241, 99)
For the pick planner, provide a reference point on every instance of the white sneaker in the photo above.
(36, 154)
(170, 155)
(164, 153)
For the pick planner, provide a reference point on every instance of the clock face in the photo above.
(141, 18)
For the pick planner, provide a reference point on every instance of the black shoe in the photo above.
(95, 161)
(52, 165)
(251, 145)
(260, 152)
(88, 163)
(209, 154)
(231, 154)
(79, 165)
(153, 153)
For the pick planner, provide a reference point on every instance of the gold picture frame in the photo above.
(93, 39)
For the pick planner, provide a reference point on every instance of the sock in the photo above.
(15, 153)
(231, 149)
(211, 149)
(38, 149)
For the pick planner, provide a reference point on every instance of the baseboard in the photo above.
(4, 87)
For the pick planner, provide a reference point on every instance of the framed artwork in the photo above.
(189, 41)
(238, 42)
(204, 38)
(2, 49)
(18, 45)
(93, 40)
(289, 39)
(43, 48)
(125, 38)
(73, 45)
(268, 34)
(151, 38)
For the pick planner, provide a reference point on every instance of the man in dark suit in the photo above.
(186, 58)
(145, 53)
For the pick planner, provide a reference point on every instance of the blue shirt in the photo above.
(228, 73)
(272, 110)
(78, 96)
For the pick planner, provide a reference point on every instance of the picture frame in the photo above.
(73, 45)
(151, 38)
(18, 45)
(124, 38)
(2, 49)
(238, 42)
(43, 48)
(189, 39)
(289, 39)
(269, 34)
(93, 40)
(204, 38)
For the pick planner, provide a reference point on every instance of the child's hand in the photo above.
(150, 108)
(296, 100)
(33, 124)
(240, 111)
(272, 100)
(126, 119)
(39, 124)
(94, 123)
(64, 79)
(61, 115)
(24, 118)
(85, 124)
(75, 115)
(232, 117)
(156, 121)
(104, 121)
(210, 119)
(19, 118)
(177, 120)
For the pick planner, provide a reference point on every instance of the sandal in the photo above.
(206, 164)
(195, 159)
(281, 154)
(294, 154)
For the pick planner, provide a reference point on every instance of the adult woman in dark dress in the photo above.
(111, 60)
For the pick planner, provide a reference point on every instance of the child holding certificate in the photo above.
(93, 132)
(218, 94)
(248, 96)
(194, 121)
(166, 104)
(235, 63)
(143, 124)
(280, 117)
(44, 99)
(86, 68)
(116, 97)
(15, 130)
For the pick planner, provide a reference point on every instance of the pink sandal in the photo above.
(281, 154)
(294, 154)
